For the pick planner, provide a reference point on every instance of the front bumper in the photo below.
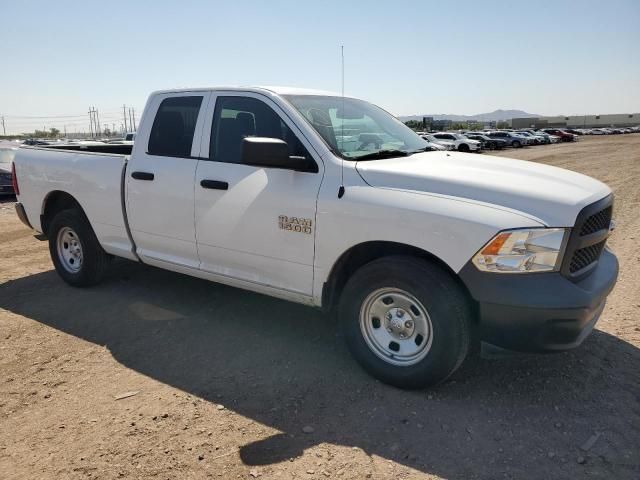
(539, 312)
(6, 189)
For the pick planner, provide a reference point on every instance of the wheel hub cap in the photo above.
(396, 326)
(400, 323)
(69, 250)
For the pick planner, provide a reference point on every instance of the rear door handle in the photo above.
(143, 175)
(214, 184)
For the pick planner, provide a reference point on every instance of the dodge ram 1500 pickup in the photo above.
(332, 202)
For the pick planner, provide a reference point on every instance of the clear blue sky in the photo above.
(464, 57)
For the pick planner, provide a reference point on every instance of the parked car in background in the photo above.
(533, 139)
(6, 170)
(462, 143)
(436, 146)
(512, 140)
(564, 136)
(433, 140)
(486, 142)
(34, 141)
(545, 138)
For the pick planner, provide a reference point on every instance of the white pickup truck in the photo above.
(334, 203)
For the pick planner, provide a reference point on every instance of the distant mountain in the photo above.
(495, 116)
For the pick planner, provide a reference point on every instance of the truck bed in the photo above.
(94, 179)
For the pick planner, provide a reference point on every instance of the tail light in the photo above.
(14, 179)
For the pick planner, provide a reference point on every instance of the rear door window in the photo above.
(174, 127)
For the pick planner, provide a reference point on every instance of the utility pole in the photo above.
(135, 128)
(124, 114)
(131, 126)
(97, 121)
(4, 131)
(90, 122)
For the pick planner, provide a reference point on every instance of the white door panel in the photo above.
(239, 231)
(160, 209)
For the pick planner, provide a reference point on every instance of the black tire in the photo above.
(463, 147)
(94, 258)
(516, 144)
(491, 146)
(447, 308)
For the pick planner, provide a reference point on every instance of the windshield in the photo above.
(354, 128)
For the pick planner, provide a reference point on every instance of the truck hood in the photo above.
(551, 195)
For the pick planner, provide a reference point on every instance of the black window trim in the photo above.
(216, 94)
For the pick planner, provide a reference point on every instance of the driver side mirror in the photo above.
(273, 153)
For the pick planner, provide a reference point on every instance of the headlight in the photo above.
(521, 251)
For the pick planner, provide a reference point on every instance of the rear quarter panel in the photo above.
(93, 179)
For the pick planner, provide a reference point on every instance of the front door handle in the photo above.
(143, 175)
(214, 184)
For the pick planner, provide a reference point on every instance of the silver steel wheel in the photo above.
(69, 250)
(396, 326)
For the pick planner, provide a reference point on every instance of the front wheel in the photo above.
(75, 251)
(516, 144)
(406, 321)
(463, 147)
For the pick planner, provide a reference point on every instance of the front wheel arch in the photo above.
(361, 254)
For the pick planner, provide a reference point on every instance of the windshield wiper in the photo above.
(380, 154)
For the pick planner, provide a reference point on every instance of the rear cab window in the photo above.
(174, 126)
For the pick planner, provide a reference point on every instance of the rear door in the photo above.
(160, 198)
(255, 224)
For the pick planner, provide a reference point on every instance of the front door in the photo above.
(252, 223)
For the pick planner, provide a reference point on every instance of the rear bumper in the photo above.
(22, 215)
(541, 312)
(6, 189)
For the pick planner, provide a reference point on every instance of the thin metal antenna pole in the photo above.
(341, 189)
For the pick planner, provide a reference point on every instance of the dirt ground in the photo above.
(230, 384)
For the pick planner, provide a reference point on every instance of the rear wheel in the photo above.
(75, 251)
(406, 321)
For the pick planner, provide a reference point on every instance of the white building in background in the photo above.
(579, 121)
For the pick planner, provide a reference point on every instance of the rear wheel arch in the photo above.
(55, 202)
(361, 254)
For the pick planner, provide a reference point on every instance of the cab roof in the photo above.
(278, 90)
